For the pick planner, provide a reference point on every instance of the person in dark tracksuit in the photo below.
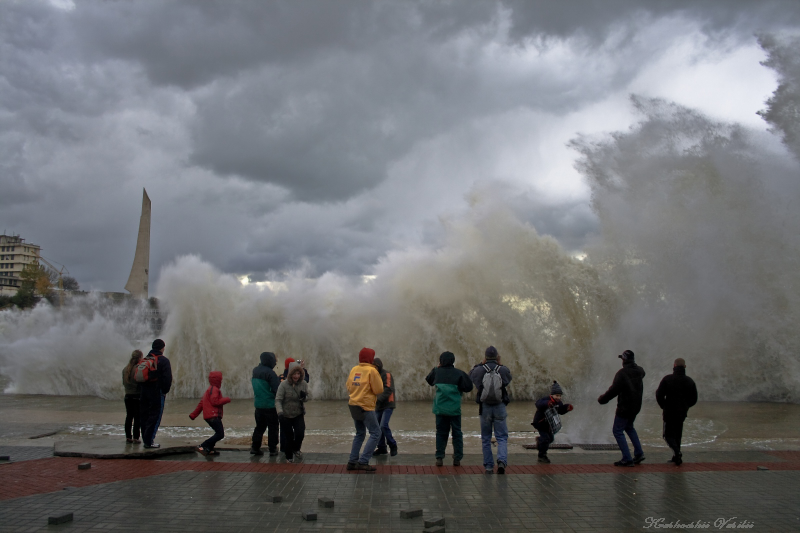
(384, 407)
(265, 385)
(153, 394)
(540, 422)
(450, 383)
(627, 387)
(675, 395)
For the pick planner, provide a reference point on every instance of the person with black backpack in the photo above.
(154, 373)
(491, 379)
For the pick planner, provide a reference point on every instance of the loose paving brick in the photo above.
(276, 499)
(325, 502)
(410, 513)
(434, 529)
(431, 522)
(59, 519)
(309, 515)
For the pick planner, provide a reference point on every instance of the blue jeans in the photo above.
(626, 425)
(494, 417)
(370, 423)
(386, 434)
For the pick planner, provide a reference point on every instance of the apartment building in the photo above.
(15, 253)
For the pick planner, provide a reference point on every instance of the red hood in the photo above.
(215, 378)
(287, 362)
(366, 355)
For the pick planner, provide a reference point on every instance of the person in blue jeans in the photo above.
(363, 386)
(492, 401)
(384, 407)
(628, 388)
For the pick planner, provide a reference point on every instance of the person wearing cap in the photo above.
(265, 385)
(363, 385)
(492, 412)
(450, 383)
(675, 395)
(153, 394)
(540, 422)
(628, 388)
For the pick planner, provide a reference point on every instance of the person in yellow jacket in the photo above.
(363, 385)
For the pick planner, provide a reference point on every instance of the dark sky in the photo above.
(321, 135)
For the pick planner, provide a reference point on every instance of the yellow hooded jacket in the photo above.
(364, 384)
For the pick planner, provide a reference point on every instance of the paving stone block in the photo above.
(434, 522)
(275, 498)
(60, 519)
(5, 457)
(762, 468)
(410, 513)
(325, 502)
(434, 529)
(84, 466)
(309, 515)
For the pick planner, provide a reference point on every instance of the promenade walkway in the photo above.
(232, 492)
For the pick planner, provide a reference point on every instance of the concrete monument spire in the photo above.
(137, 281)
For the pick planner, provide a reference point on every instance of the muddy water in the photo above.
(711, 425)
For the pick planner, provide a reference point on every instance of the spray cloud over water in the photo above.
(696, 258)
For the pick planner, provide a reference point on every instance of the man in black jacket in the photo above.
(675, 395)
(628, 388)
(154, 392)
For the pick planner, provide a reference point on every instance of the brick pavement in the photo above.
(238, 501)
(53, 474)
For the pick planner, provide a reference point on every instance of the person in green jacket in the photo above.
(265, 385)
(450, 383)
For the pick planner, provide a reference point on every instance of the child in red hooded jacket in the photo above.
(211, 405)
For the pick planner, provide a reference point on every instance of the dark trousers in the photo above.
(266, 420)
(150, 413)
(219, 434)
(293, 430)
(545, 440)
(673, 431)
(444, 424)
(132, 416)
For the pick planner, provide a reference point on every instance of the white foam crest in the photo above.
(495, 281)
(79, 350)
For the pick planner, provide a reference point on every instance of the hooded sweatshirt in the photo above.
(676, 394)
(265, 382)
(364, 382)
(450, 383)
(291, 396)
(212, 401)
(386, 398)
(628, 387)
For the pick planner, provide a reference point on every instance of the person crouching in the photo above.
(540, 422)
(291, 395)
(211, 406)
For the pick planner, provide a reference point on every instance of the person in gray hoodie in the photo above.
(265, 385)
(292, 394)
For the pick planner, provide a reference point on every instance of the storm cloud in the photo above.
(321, 135)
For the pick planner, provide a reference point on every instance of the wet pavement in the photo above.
(719, 484)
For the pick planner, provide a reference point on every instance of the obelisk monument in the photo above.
(137, 282)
